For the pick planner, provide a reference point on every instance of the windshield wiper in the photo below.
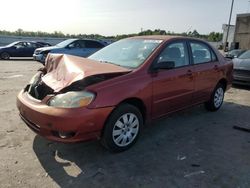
(102, 61)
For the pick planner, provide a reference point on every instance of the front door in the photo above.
(20, 49)
(173, 88)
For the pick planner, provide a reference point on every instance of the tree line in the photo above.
(212, 36)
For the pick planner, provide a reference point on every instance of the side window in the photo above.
(75, 45)
(176, 52)
(82, 43)
(201, 53)
(93, 44)
(34, 45)
(20, 45)
(31, 45)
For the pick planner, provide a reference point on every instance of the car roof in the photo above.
(95, 40)
(26, 41)
(164, 37)
(88, 39)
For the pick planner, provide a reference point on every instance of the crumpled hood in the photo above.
(63, 70)
(242, 64)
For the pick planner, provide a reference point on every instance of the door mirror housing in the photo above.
(164, 65)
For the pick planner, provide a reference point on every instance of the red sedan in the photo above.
(117, 90)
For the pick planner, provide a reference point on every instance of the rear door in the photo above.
(206, 70)
(173, 88)
(30, 48)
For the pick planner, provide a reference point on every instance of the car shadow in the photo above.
(185, 144)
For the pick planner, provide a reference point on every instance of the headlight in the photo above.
(73, 99)
(44, 52)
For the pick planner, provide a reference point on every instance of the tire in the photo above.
(122, 128)
(216, 99)
(5, 55)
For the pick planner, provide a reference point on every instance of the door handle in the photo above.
(189, 73)
(216, 67)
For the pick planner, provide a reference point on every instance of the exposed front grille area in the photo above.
(38, 89)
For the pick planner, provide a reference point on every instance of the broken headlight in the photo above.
(73, 99)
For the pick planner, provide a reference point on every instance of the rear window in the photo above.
(202, 53)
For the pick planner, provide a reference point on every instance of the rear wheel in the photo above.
(5, 56)
(122, 128)
(216, 99)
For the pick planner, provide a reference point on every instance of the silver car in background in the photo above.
(234, 53)
(242, 69)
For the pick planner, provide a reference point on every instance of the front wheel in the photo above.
(5, 56)
(216, 99)
(122, 128)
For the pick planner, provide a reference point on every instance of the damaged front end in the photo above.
(39, 90)
(70, 75)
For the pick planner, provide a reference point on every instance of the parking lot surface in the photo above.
(191, 148)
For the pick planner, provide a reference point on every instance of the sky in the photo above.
(113, 17)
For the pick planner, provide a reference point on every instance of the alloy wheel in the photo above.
(218, 97)
(5, 56)
(125, 129)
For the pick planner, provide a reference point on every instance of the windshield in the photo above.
(11, 44)
(234, 52)
(130, 53)
(65, 43)
(245, 55)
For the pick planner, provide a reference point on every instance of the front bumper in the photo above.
(86, 124)
(38, 57)
(241, 77)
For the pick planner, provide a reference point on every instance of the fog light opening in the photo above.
(64, 135)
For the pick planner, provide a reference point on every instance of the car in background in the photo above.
(241, 71)
(77, 47)
(111, 94)
(19, 49)
(44, 44)
(234, 53)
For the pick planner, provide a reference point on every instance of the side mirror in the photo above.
(164, 65)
